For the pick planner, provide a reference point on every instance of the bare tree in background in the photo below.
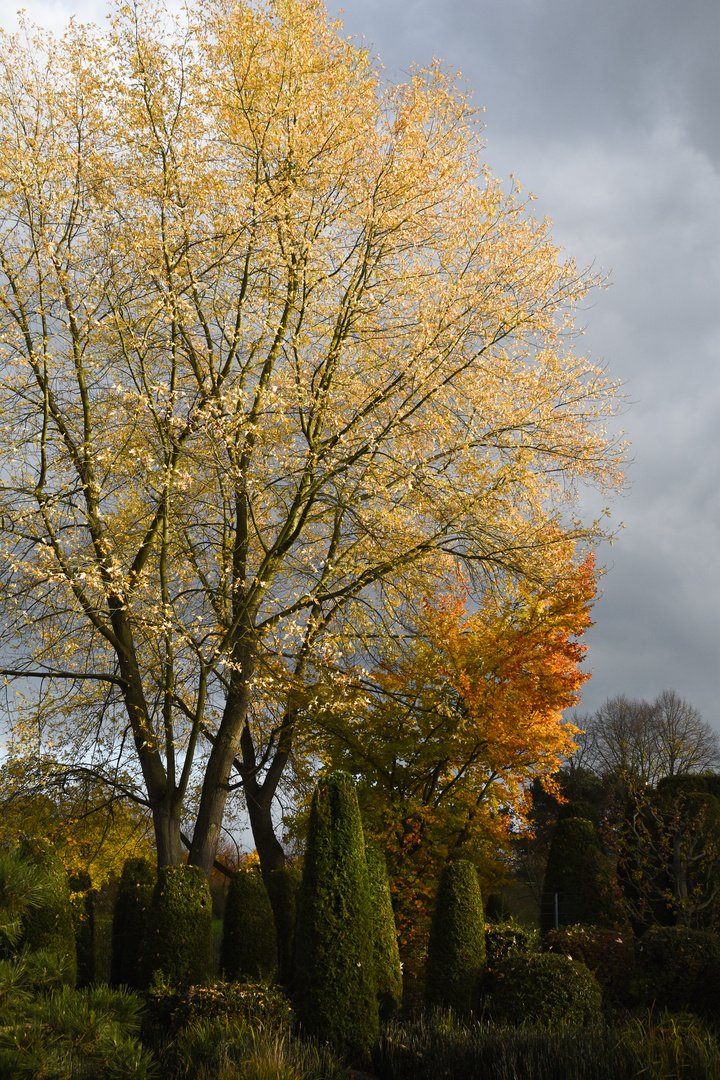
(646, 740)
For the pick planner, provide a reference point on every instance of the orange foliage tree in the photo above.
(448, 731)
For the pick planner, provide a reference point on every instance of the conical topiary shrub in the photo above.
(180, 943)
(388, 972)
(580, 886)
(334, 984)
(249, 944)
(49, 927)
(129, 962)
(83, 913)
(283, 887)
(456, 950)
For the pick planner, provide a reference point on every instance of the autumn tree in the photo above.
(447, 732)
(277, 350)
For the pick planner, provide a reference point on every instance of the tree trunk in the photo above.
(269, 848)
(167, 834)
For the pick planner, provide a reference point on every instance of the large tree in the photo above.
(276, 349)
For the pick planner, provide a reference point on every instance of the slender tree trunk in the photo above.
(167, 834)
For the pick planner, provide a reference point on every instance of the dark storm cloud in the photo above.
(608, 113)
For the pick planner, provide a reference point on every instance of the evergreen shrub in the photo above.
(334, 981)
(456, 950)
(129, 959)
(388, 972)
(679, 969)
(609, 954)
(249, 943)
(83, 914)
(180, 924)
(283, 887)
(508, 939)
(496, 908)
(49, 926)
(241, 1003)
(23, 887)
(544, 989)
(579, 873)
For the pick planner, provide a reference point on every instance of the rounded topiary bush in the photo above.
(580, 886)
(609, 954)
(249, 944)
(181, 926)
(334, 982)
(388, 972)
(49, 926)
(543, 989)
(130, 963)
(456, 950)
(283, 887)
(508, 939)
(679, 969)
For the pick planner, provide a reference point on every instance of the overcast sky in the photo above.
(608, 112)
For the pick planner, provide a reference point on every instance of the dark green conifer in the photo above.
(388, 972)
(49, 927)
(335, 996)
(249, 943)
(283, 887)
(83, 912)
(580, 886)
(456, 950)
(180, 924)
(129, 961)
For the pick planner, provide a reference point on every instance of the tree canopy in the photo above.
(277, 350)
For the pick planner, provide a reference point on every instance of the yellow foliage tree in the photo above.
(276, 350)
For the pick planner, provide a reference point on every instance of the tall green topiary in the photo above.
(335, 997)
(49, 926)
(580, 886)
(249, 942)
(456, 950)
(388, 972)
(180, 923)
(283, 887)
(130, 963)
(83, 913)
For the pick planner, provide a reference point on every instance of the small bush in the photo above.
(249, 943)
(129, 961)
(242, 1003)
(496, 908)
(508, 939)
(180, 926)
(88, 1035)
(543, 989)
(49, 926)
(609, 954)
(456, 950)
(679, 969)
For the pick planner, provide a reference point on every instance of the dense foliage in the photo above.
(130, 961)
(334, 985)
(180, 926)
(543, 989)
(249, 942)
(456, 953)
(386, 957)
